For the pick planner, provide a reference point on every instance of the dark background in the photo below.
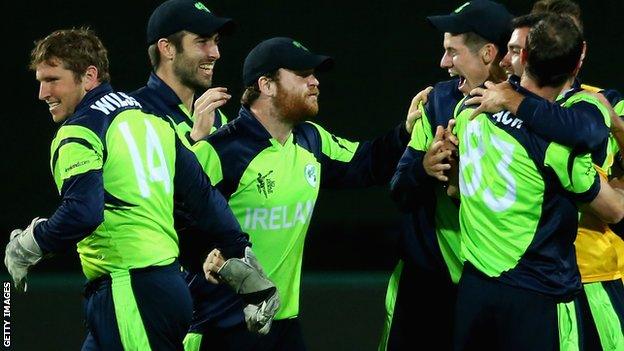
(385, 53)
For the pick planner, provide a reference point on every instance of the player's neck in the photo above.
(184, 93)
(279, 128)
(568, 85)
(548, 93)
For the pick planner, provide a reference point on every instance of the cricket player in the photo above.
(117, 169)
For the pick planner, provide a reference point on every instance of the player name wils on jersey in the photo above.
(278, 217)
(112, 101)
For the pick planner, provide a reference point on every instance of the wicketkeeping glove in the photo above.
(247, 279)
(21, 253)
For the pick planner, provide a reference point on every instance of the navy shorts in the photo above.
(285, 335)
(491, 315)
(141, 309)
(422, 298)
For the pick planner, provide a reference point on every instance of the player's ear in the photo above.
(166, 49)
(267, 86)
(488, 53)
(91, 78)
(524, 56)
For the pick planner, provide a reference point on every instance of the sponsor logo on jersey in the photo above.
(278, 217)
(265, 184)
(76, 165)
(113, 101)
(311, 175)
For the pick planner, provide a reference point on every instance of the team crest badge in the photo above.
(310, 175)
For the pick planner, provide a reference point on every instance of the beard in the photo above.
(187, 72)
(293, 107)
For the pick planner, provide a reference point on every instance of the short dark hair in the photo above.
(252, 92)
(554, 47)
(560, 7)
(77, 49)
(527, 20)
(154, 54)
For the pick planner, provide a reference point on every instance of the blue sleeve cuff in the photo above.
(591, 193)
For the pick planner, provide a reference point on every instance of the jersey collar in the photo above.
(92, 96)
(164, 91)
(251, 123)
(565, 95)
(515, 83)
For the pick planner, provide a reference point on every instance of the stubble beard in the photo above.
(187, 73)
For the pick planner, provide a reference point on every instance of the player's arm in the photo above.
(81, 211)
(424, 162)
(608, 204)
(348, 164)
(239, 267)
(614, 99)
(582, 122)
(77, 168)
(580, 179)
(207, 205)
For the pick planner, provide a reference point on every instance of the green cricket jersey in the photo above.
(272, 188)
(115, 167)
(518, 214)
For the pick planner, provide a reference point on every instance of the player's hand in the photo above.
(213, 263)
(246, 277)
(414, 114)
(204, 111)
(21, 253)
(451, 143)
(435, 160)
(494, 98)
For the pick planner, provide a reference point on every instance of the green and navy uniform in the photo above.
(581, 125)
(602, 298)
(156, 95)
(601, 302)
(214, 304)
(117, 169)
(518, 219)
(429, 248)
(272, 189)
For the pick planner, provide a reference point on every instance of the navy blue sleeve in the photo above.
(373, 163)
(612, 95)
(580, 126)
(207, 205)
(80, 213)
(410, 182)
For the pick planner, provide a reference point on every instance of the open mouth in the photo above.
(462, 82)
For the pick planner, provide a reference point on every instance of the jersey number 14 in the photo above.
(154, 151)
